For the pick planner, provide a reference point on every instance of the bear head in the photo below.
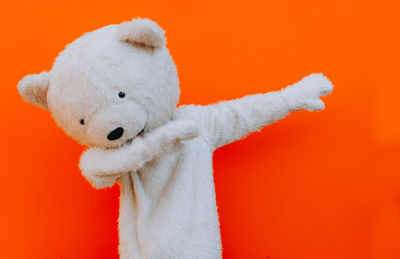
(109, 85)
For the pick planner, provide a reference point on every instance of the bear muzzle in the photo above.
(115, 125)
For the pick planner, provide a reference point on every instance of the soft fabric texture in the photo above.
(121, 79)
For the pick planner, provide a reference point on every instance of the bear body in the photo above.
(168, 209)
(115, 90)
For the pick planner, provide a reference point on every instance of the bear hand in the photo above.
(306, 93)
(171, 137)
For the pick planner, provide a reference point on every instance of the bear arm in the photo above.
(103, 167)
(226, 122)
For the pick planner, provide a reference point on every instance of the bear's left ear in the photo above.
(142, 32)
(33, 89)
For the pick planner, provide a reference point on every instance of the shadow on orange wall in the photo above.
(315, 185)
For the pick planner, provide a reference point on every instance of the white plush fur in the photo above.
(167, 202)
(33, 88)
(142, 31)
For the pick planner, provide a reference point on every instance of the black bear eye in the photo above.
(82, 121)
(121, 94)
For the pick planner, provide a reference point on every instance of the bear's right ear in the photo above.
(33, 89)
(143, 32)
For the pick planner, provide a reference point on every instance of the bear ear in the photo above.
(33, 89)
(143, 32)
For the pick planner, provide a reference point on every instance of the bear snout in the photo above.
(115, 134)
(114, 125)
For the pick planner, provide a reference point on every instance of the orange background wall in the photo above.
(315, 185)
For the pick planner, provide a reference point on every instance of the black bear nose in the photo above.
(116, 134)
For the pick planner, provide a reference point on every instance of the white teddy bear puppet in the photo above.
(115, 90)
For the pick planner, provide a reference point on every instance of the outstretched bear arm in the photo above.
(228, 121)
